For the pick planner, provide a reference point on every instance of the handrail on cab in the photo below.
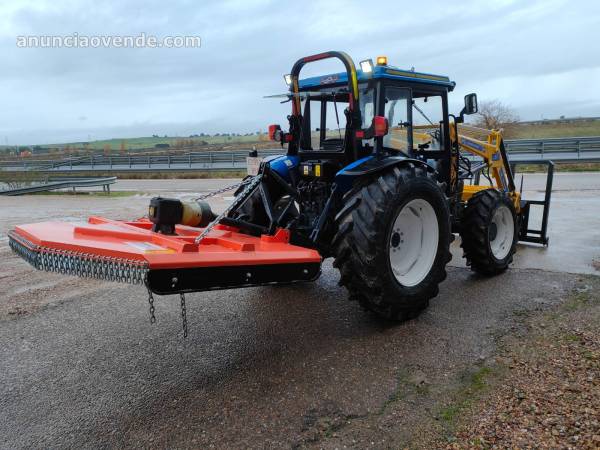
(353, 104)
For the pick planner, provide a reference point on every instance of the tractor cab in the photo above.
(375, 111)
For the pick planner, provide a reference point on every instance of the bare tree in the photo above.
(493, 114)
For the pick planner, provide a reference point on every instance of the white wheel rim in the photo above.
(413, 242)
(502, 232)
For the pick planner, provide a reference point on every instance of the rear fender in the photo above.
(283, 165)
(370, 165)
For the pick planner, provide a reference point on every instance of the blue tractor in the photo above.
(375, 176)
(356, 186)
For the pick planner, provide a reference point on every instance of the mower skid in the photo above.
(131, 252)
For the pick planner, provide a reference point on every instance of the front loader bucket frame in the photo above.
(526, 234)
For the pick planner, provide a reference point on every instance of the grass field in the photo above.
(522, 131)
(548, 129)
(555, 130)
(146, 144)
(173, 141)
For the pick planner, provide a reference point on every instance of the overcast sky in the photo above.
(540, 57)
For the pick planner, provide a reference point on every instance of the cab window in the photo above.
(427, 115)
(397, 113)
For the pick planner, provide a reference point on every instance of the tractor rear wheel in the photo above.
(392, 242)
(489, 232)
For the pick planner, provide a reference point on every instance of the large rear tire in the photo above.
(392, 242)
(489, 232)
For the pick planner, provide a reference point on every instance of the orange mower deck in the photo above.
(131, 252)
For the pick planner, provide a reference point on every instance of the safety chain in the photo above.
(239, 199)
(184, 315)
(222, 190)
(151, 305)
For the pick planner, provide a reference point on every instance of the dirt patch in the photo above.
(550, 393)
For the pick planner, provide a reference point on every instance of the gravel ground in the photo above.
(548, 395)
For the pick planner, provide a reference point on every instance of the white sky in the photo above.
(540, 57)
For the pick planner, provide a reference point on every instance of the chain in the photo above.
(213, 193)
(184, 315)
(151, 304)
(250, 186)
(79, 263)
(221, 191)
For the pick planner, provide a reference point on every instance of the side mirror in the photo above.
(470, 104)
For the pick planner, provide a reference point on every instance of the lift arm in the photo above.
(494, 155)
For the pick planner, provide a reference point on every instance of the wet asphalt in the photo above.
(262, 367)
(258, 369)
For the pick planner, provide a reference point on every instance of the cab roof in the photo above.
(379, 72)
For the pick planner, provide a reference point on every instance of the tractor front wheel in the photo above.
(489, 232)
(392, 243)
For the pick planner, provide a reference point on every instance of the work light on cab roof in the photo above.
(382, 60)
(366, 66)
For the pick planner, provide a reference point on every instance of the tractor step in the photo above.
(131, 252)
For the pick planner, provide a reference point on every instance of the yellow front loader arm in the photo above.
(491, 150)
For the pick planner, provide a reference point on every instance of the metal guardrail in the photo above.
(577, 149)
(223, 160)
(105, 182)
